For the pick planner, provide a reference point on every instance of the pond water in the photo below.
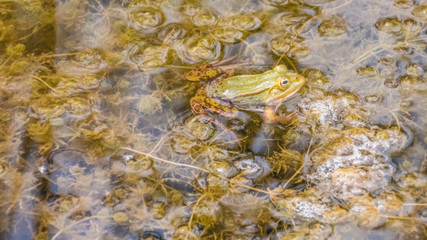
(213, 119)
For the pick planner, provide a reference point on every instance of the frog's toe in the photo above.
(286, 120)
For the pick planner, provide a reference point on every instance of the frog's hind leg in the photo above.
(202, 105)
(198, 109)
(223, 61)
(206, 72)
(210, 71)
(231, 66)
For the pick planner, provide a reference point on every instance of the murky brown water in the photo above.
(98, 139)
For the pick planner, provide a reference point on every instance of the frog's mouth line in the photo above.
(275, 103)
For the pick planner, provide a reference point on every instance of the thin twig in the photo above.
(191, 166)
(44, 83)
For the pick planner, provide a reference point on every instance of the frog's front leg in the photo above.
(270, 116)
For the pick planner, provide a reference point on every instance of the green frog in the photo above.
(227, 94)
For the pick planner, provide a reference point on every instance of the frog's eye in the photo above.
(283, 82)
(280, 68)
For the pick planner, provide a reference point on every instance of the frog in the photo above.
(226, 94)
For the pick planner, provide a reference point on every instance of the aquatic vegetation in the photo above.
(333, 26)
(404, 4)
(334, 108)
(420, 12)
(204, 17)
(289, 45)
(146, 18)
(100, 137)
(147, 56)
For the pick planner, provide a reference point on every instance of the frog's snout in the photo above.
(301, 79)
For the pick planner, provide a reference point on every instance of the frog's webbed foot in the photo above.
(225, 129)
(271, 117)
(198, 109)
(288, 119)
(224, 61)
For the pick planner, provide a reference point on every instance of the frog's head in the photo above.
(286, 84)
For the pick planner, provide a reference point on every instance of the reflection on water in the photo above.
(98, 139)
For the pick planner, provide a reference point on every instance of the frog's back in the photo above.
(242, 91)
